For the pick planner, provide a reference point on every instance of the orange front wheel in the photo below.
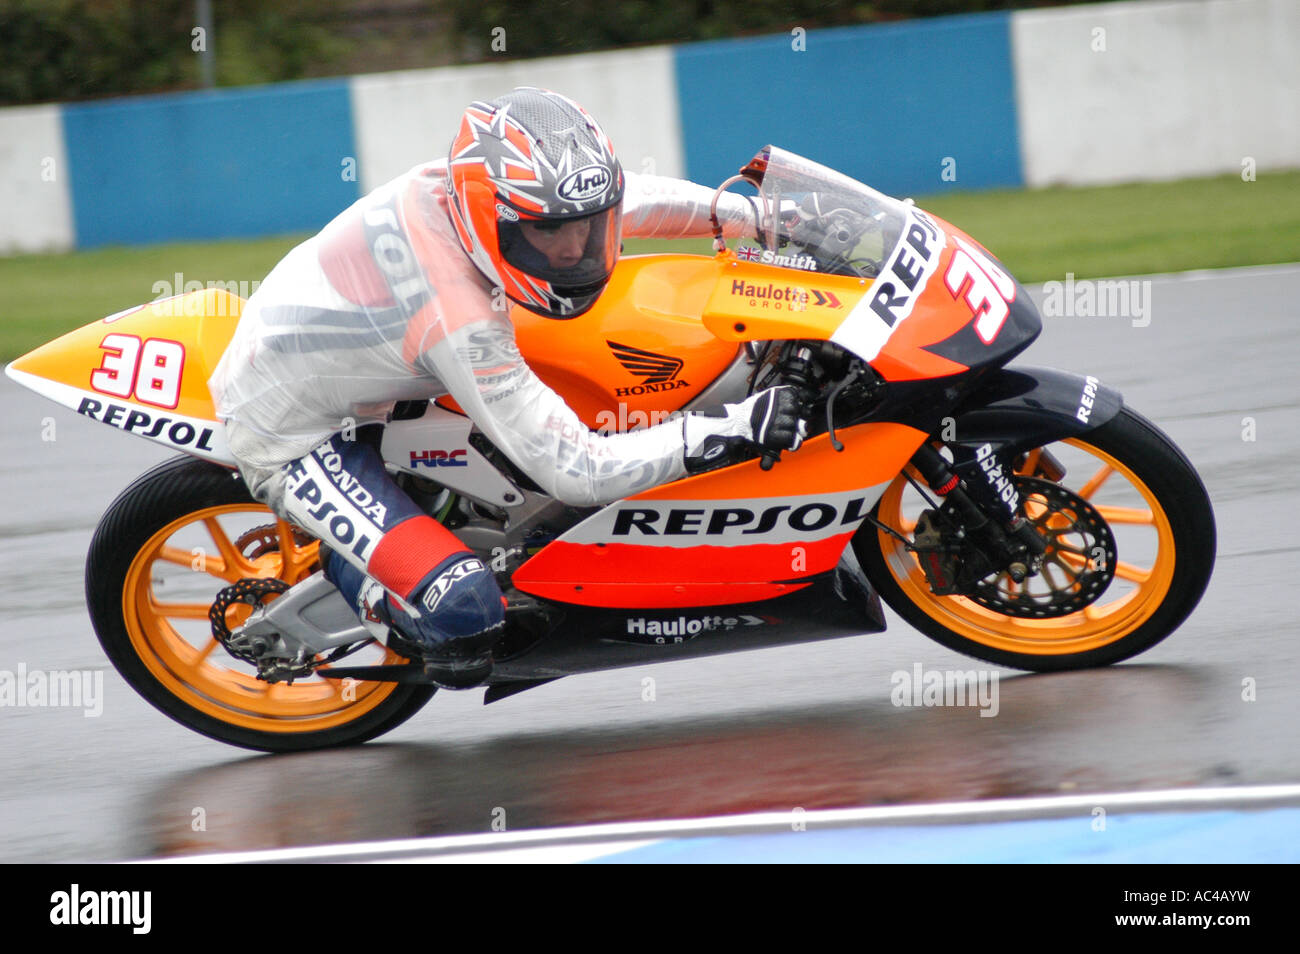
(1128, 498)
(172, 541)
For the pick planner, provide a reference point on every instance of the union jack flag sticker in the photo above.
(748, 253)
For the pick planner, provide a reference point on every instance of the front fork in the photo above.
(988, 514)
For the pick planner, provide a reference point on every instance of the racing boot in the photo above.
(457, 616)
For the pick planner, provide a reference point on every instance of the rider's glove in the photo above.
(776, 419)
(717, 437)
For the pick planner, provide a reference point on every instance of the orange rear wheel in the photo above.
(166, 547)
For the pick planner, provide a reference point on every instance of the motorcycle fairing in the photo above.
(437, 445)
(894, 294)
(837, 603)
(950, 324)
(144, 370)
(734, 535)
(97, 371)
(640, 352)
(199, 436)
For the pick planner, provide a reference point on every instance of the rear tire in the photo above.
(165, 547)
(1157, 496)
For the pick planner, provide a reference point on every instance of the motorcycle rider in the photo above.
(402, 297)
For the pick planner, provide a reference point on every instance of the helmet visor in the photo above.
(575, 255)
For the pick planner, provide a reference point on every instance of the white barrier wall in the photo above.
(1120, 92)
(403, 119)
(35, 203)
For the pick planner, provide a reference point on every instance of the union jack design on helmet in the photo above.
(536, 197)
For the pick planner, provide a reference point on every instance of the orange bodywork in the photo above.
(670, 571)
(92, 358)
(691, 311)
(653, 304)
(697, 310)
(666, 328)
(144, 370)
(812, 305)
(937, 316)
(753, 302)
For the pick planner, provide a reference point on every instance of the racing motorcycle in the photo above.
(1023, 516)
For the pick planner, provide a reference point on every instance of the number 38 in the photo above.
(149, 369)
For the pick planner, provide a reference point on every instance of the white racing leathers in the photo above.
(383, 305)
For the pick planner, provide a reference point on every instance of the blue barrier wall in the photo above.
(884, 104)
(1043, 97)
(230, 163)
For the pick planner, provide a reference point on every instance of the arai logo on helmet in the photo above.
(507, 213)
(585, 183)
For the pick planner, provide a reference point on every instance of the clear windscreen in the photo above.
(815, 218)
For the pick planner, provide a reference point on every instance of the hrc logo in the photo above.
(439, 458)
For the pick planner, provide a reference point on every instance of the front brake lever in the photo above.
(855, 372)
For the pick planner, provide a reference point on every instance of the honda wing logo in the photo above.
(658, 370)
(655, 368)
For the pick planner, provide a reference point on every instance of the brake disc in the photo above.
(1076, 568)
(251, 592)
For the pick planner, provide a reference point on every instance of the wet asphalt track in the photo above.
(808, 727)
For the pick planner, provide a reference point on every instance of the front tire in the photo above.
(165, 547)
(1158, 511)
